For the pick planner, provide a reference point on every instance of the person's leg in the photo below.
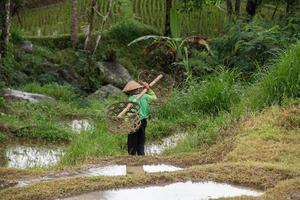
(142, 138)
(132, 141)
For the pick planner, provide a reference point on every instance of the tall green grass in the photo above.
(217, 93)
(282, 81)
(60, 92)
(93, 144)
(196, 106)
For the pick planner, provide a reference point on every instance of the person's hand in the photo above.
(146, 85)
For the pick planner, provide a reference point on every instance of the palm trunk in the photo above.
(168, 18)
(90, 26)
(74, 23)
(5, 23)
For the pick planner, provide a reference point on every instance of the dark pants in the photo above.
(136, 140)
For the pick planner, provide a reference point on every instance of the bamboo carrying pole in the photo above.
(129, 106)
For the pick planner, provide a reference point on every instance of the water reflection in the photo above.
(179, 191)
(122, 170)
(111, 170)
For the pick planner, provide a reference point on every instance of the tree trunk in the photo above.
(74, 23)
(5, 29)
(168, 18)
(251, 7)
(237, 7)
(90, 25)
(290, 6)
(104, 20)
(229, 8)
(274, 12)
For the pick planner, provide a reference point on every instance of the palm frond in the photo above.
(147, 37)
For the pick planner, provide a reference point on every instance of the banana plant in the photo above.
(178, 47)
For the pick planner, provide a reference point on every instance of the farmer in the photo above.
(136, 140)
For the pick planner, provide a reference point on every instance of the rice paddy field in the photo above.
(54, 20)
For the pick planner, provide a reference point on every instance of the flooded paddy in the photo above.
(23, 154)
(166, 143)
(78, 125)
(180, 191)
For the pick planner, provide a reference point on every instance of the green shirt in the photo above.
(144, 103)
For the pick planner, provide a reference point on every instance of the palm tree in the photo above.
(5, 23)
(74, 23)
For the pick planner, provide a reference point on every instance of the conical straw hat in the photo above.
(132, 85)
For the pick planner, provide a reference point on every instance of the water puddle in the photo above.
(160, 168)
(79, 125)
(112, 170)
(169, 142)
(122, 170)
(21, 155)
(178, 191)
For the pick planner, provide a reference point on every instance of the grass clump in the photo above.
(217, 93)
(3, 137)
(96, 143)
(60, 92)
(50, 131)
(282, 81)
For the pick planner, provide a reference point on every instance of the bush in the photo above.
(249, 45)
(126, 31)
(283, 81)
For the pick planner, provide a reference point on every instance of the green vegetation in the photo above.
(61, 92)
(282, 81)
(54, 20)
(236, 99)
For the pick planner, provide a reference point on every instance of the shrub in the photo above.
(248, 45)
(127, 31)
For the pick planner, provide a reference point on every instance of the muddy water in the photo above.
(178, 191)
(26, 154)
(166, 143)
